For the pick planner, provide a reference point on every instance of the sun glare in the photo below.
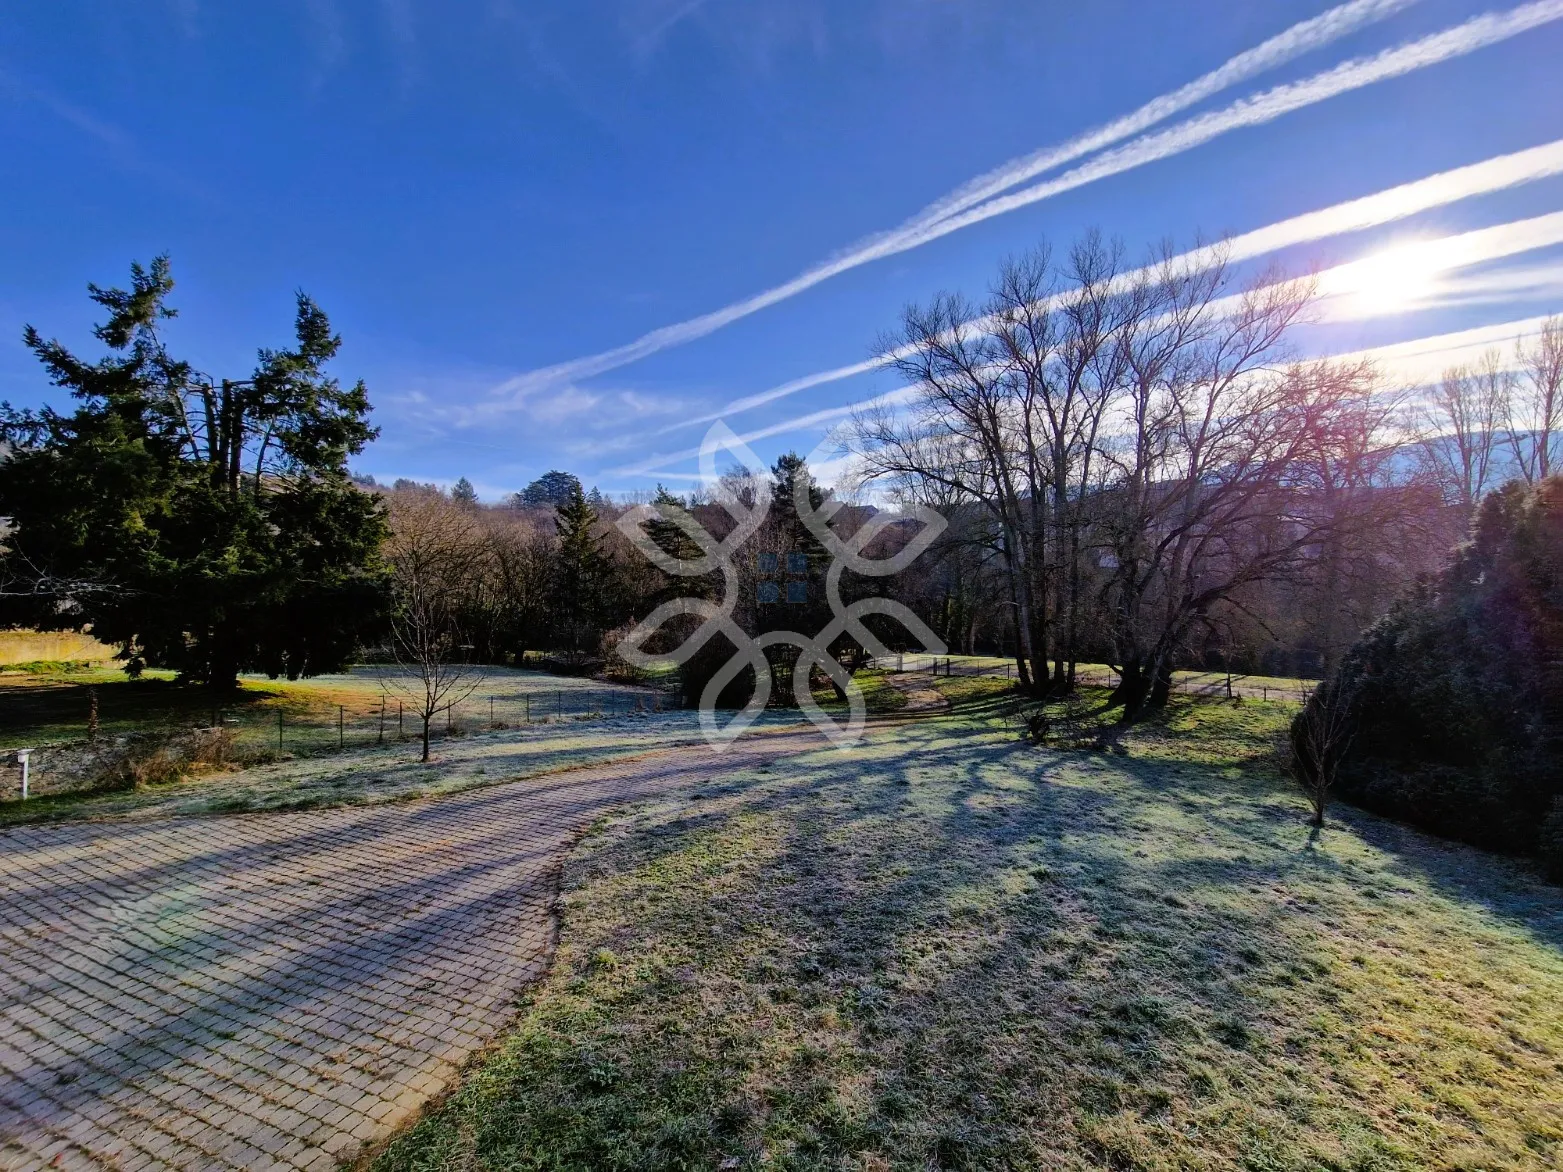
(1391, 281)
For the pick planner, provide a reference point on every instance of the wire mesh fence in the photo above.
(328, 714)
(400, 718)
(1223, 684)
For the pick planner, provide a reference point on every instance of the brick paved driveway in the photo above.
(279, 990)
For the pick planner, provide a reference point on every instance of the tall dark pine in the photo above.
(203, 524)
(672, 538)
(802, 563)
(551, 488)
(581, 586)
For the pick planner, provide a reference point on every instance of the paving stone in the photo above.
(280, 989)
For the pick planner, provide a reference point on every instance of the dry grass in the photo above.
(27, 647)
(954, 951)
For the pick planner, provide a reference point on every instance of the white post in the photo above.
(21, 759)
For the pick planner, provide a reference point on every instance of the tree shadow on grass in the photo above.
(956, 952)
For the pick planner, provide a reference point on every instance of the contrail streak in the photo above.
(1298, 39)
(1474, 34)
(1422, 359)
(1477, 33)
(1336, 286)
(1369, 211)
(1414, 361)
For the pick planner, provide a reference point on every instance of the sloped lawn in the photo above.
(948, 950)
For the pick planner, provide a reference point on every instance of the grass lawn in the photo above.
(949, 950)
(51, 706)
(880, 698)
(384, 773)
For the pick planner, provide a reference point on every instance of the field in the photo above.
(52, 705)
(948, 950)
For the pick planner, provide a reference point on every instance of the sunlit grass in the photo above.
(951, 950)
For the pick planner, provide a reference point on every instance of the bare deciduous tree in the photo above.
(436, 553)
(1321, 736)
(1536, 406)
(1140, 446)
(1465, 420)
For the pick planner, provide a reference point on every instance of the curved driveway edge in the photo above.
(280, 990)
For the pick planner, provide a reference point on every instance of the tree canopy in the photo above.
(551, 488)
(1455, 699)
(203, 524)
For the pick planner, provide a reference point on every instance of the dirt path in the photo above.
(280, 990)
(922, 698)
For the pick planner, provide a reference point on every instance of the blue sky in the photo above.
(491, 198)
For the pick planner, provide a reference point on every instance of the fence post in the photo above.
(279, 730)
(526, 701)
(491, 712)
(341, 734)
(558, 704)
(379, 737)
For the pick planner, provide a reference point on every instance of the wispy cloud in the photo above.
(648, 25)
(327, 38)
(786, 426)
(119, 146)
(402, 35)
(1340, 288)
(107, 135)
(1384, 207)
(1474, 34)
(1503, 286)
(1421, 360)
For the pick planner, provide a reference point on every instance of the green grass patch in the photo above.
(951, 950)
(973, 692)
(879, 696)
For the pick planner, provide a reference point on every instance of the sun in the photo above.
(1393, 280)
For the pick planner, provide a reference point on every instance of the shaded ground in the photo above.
(1194, 683)
(947, 950)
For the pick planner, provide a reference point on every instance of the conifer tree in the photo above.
(206, 524)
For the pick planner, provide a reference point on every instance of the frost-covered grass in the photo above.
(387, 772)
(52, 706)
(950, 950)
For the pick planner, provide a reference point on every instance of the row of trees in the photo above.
(1133, 468)
(1139, 472)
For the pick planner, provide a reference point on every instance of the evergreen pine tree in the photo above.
(580, 590)
(208, 525)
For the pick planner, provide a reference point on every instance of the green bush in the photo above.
(1456, 697)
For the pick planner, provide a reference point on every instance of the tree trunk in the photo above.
(1160, 688)
(1132, 690)
(426, 718)
(222, 662)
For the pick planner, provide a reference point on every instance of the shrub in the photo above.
(1456, 697)
(159, 758)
